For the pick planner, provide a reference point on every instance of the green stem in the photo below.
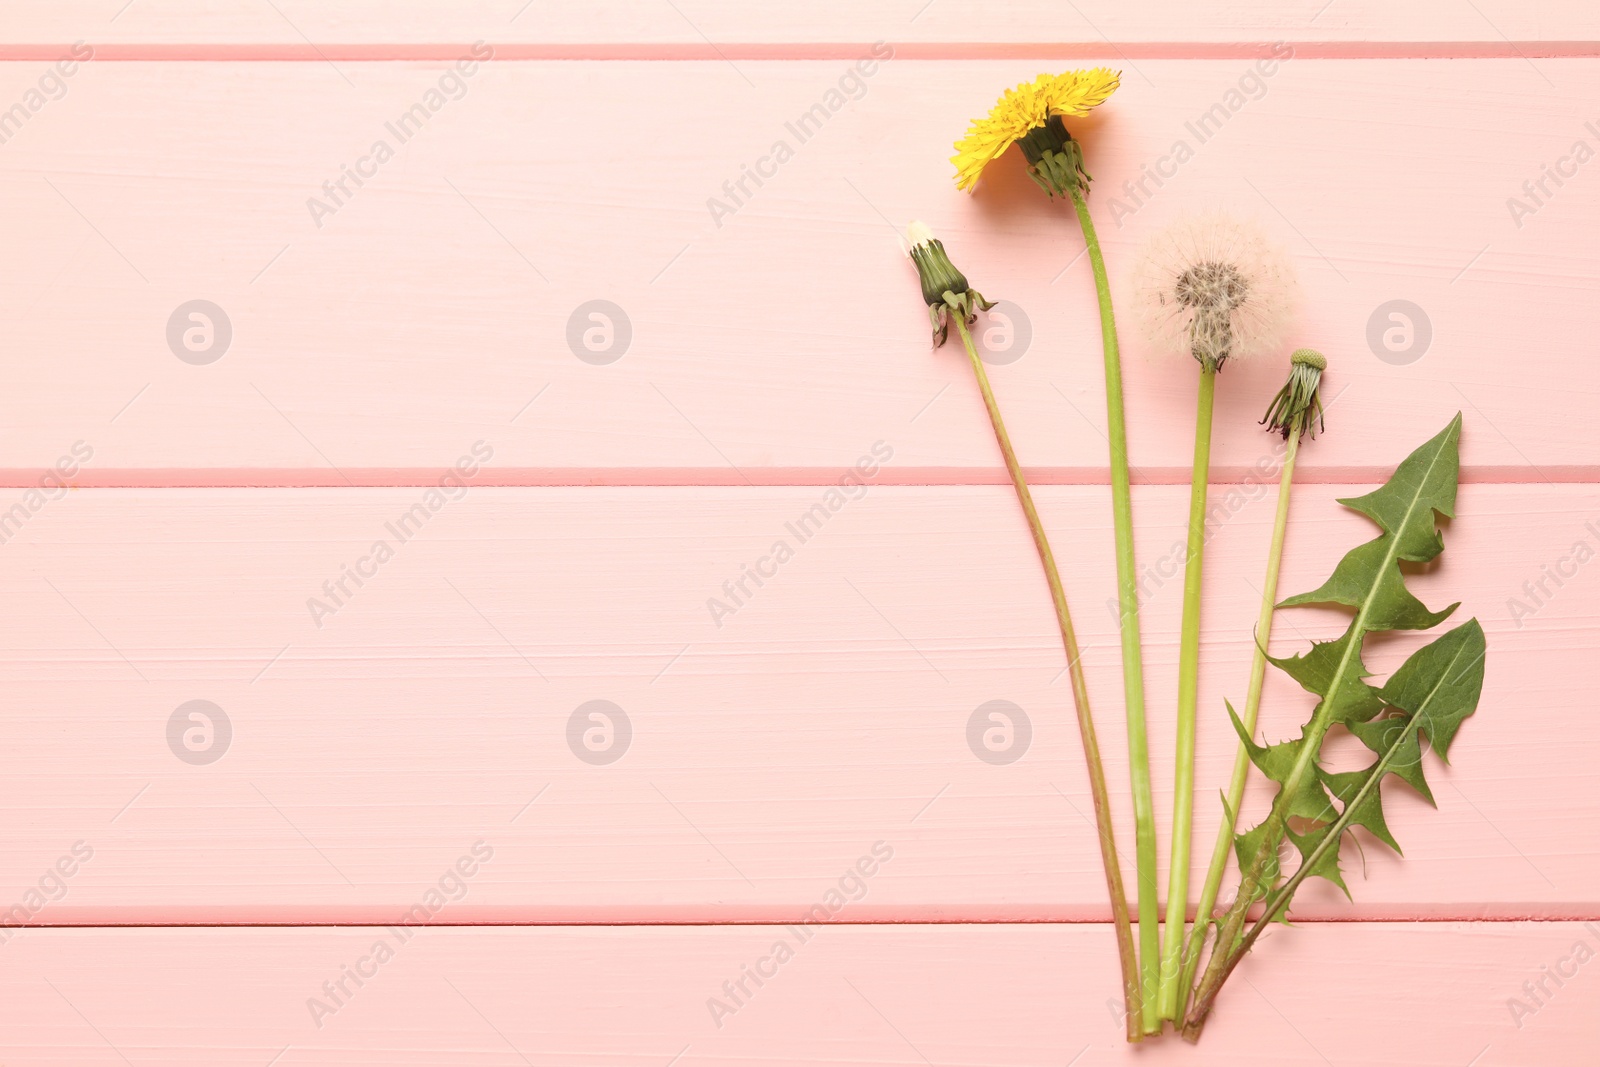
(1144, 817)
(1080, 696)
(1188, 693)
(1252, 709)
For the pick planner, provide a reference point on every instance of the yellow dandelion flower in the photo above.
(1031, 115)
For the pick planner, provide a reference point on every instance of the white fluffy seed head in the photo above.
(1215, 288)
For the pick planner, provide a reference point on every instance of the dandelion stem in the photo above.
(1252, 708)
(1188, 692)
(1144, 818)
(1080, 695)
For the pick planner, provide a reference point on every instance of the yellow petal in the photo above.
(1020, 109)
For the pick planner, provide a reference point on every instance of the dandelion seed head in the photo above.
(1215, 288)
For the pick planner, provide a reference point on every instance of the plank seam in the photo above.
(601, 924)
(379, 52)
(712, 477)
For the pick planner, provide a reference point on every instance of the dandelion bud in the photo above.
(937, 273)
(1298, 404)
(944, 288)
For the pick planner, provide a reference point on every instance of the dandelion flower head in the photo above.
(1028, 107)
(1214, 287)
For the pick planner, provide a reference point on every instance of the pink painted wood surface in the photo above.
(306, 24)
(828, 711)
(1386, 995)
(428, 716)
(433, 308)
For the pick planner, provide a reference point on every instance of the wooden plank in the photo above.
(303, 23)
(434, 704)
(433, 307)
(1006, 995)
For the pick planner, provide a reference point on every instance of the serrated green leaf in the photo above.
(1434, 691)
(1369, 576)
(1368, 579)
(1275, 761)
(1247, 847)
(1382, 733)
(1440, 684)
(1318, 670)
(1315, 861)
(1368, 809)
(1428, 475)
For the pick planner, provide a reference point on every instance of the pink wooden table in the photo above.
(507, 789)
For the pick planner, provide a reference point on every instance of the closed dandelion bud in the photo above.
(937, 273)
(944, 288)
(1298, 404)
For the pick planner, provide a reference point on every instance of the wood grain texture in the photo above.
(432, 309)
(829, 710)
(1431, 995)
(414, 752)
(691, 23)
